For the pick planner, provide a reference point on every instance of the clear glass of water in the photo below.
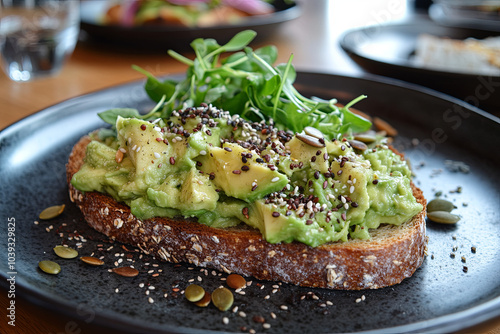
(37, 36)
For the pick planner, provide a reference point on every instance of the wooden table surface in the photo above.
(312, 39)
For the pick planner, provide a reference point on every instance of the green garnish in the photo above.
(244, 83)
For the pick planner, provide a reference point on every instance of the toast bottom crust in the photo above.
(391, 255)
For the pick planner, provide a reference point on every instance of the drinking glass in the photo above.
(37, 36)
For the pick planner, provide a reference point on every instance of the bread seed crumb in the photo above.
(150, 300)
(225, 320)
(266, 326)
(284, 307)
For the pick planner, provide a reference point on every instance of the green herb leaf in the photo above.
(240, 40)
(110, 116)
(247, 83)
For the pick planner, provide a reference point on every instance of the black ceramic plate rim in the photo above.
(351, 49)
(276, 17)
(448, 323)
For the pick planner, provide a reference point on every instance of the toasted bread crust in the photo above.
(391, 255)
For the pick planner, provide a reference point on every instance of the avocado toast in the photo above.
(300, 203)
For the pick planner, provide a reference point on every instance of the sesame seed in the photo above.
(157, 155)
(150, 300)
(203, 152)
(275, 179)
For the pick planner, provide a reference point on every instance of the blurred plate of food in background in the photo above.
(161, 24)
(461, 62)
(478, 14)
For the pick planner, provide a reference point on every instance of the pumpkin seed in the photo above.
(365, 137)
(222, 298)
(382, 125)
(49, 267)
(65, 252)
(51, 212)
(309, 130)
(438, 204)
(93, 261)
(126, 271)
(236, 281)
(358, 145)
(443, 217)
(194, 293)
(310, 140)
(205, 301)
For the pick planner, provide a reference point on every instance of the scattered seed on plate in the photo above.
(194, 293)
(49, 267)
(126, 271)
(65, 252)
(205, 301)
(439, 204)
(443, 217)
(51, 212)
(222, 298)
(236, 281)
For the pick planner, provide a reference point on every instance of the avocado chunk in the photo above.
(101, 172)
(187, 191)
(145, 147)
(308, 156)
(248, 180)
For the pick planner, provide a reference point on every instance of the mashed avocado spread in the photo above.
(204, 163)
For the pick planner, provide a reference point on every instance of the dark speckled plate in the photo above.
(445, 294)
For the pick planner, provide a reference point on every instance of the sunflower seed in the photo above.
(310, 140)
(309, 130)
(126, 271)
(93, 261)
(358, 145)
(365, 137)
